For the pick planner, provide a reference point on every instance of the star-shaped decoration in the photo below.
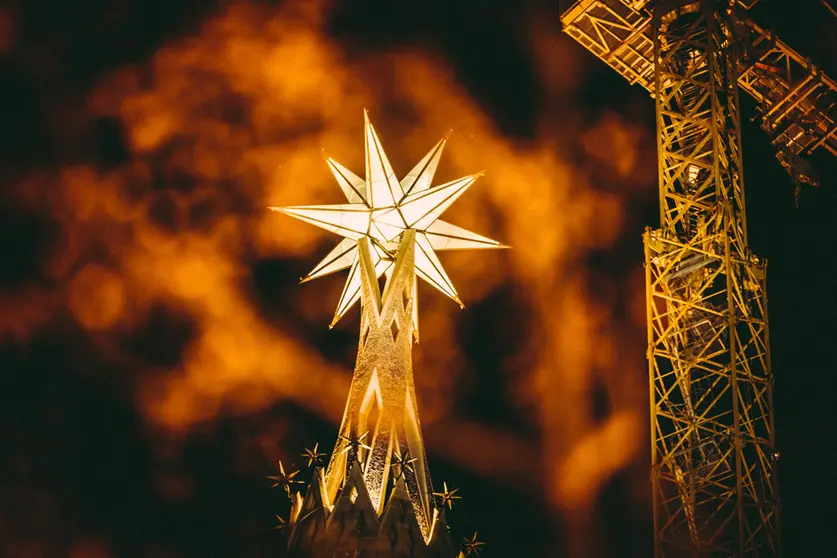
(472, 545)
(355, 443)
(284, 479)
(381, 208)
(313, 455)
(402, 463)
(446, 496)
(281, 524)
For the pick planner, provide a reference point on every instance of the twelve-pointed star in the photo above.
(381, 208)
(447, 497)
(285, 480)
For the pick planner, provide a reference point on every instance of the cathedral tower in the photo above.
(375, 498)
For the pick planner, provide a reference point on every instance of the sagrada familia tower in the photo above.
(375, 498)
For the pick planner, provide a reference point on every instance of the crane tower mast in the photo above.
(713, 448)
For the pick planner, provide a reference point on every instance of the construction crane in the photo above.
(714, 456)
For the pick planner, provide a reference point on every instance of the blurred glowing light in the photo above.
(97, 296)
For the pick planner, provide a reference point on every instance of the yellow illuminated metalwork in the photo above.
(713, 448)
(796, 97)
(391, 228)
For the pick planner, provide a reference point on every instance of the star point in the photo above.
(380, 208)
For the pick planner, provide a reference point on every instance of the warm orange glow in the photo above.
(96, 297)
(239, 117)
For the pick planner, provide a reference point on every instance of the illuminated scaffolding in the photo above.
(713, 448)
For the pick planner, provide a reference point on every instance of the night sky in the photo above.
(157, 355)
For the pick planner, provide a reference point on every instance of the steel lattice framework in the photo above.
(713, 448)
(714, 487)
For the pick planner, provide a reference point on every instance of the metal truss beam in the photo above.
(713, 448)
(798, 101)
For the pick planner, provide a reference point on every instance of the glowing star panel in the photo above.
(349, 220)
(381, 209)
(352, 288)
(422, 208)
(419, 179)
(429, 268)
(383, 189)
(353, 186)
(444, 236)
(341, 257)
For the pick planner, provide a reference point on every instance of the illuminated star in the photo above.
(472, 545)
(381, 208)
(285, 480)
(447, 496)
(313, 456)
(355, 443)
(281, 524)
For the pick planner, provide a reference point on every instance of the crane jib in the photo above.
(797, 101)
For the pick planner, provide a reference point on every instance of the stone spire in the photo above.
(375, 498)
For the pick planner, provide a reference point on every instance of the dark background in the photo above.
(77, 476)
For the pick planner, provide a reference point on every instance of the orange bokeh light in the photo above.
(238, 117)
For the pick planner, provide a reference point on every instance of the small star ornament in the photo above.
(402, 463)
(472, 545)
(284, 479)
(381, 208)
(313, 455)
(446, 497)
(355, 443)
